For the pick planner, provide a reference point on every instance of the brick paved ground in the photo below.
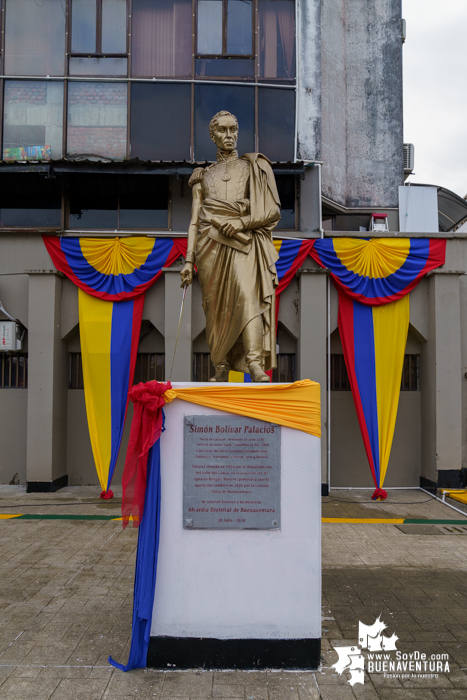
(66, 596)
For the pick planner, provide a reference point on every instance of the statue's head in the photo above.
(223, 129)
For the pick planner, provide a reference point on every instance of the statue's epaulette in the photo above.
(196, 176)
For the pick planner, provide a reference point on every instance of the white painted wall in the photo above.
(240, 584)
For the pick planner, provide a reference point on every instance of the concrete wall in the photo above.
(13, 432)
(362, 135)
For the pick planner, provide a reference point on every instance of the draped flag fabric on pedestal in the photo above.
(294, 405)
(373, 278)
(112, 276)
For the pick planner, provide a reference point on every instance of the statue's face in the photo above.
(225, 134)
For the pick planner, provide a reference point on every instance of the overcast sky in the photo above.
(435, 91)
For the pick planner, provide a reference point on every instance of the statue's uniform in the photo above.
(238, 283)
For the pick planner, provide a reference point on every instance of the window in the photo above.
(225, 28)
(97, 120)
(277, 38)
(30, 200)
(210, 99)
(286, 186)
(203, 369)
(276, 123)
(410, 373)
(35, 37)
(285, 370)
(33, 120)
(161, 43)
(225, 35)
(98, 37)
(13, 371)
(149, 367)
(339, 376)
(113, 202)
(75, 371)
(160, 121)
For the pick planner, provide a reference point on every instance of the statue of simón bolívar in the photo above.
(235, 209)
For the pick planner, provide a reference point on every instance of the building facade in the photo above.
(105, 110)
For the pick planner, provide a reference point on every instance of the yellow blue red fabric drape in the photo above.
(112, 276)
(373, 278)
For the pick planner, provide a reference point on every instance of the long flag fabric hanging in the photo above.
(373, 278)
(112, 276)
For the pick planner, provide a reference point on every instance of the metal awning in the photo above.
(129, 167)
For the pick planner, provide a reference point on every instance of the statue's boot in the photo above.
(222, 372)
(252, 338)
(257, 374)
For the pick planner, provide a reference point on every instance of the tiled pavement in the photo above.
(66, 595)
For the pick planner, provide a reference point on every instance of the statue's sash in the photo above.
(215, 212)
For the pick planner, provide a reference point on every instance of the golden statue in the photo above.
(235, 209)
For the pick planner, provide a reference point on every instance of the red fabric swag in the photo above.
(146, 429)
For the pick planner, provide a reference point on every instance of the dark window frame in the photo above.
(6, 359)
(120, 184)
(225, 54)
(98, 52)
(410, 380)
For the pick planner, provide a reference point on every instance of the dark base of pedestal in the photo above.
(246, 654)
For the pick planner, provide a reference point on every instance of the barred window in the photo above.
(410, 374)
(203, 369)
(149, 366)
(13, 371)
(285, 370)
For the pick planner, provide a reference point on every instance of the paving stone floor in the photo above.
(66, 598)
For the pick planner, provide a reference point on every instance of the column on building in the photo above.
(441, 383)
(312, 348)
(47, 388)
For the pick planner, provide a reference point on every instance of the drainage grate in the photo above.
(452, 529)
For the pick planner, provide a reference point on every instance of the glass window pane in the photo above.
(144, 202)
(97, 120)
(33, 120)
(225, 67)
(209, 27)
(276, 123)
(83, 26)
(210, 99)
(97, 66)
(239, 27)
(161, 40)
(35, 37)
(114, 14)
(277, 38)
(286, 189)
(30, 200)
(94, 201)
(160, 121)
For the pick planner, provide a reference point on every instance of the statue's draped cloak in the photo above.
(237, 286)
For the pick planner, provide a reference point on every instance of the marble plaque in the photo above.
(231, 473)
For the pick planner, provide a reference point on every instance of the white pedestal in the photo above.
(239, 598)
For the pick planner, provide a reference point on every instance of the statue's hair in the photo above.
(214, 120)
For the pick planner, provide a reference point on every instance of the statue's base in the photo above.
(243, 654)
(232, 598)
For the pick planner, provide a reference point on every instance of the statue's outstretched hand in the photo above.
(186, 274)
(231, 227)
